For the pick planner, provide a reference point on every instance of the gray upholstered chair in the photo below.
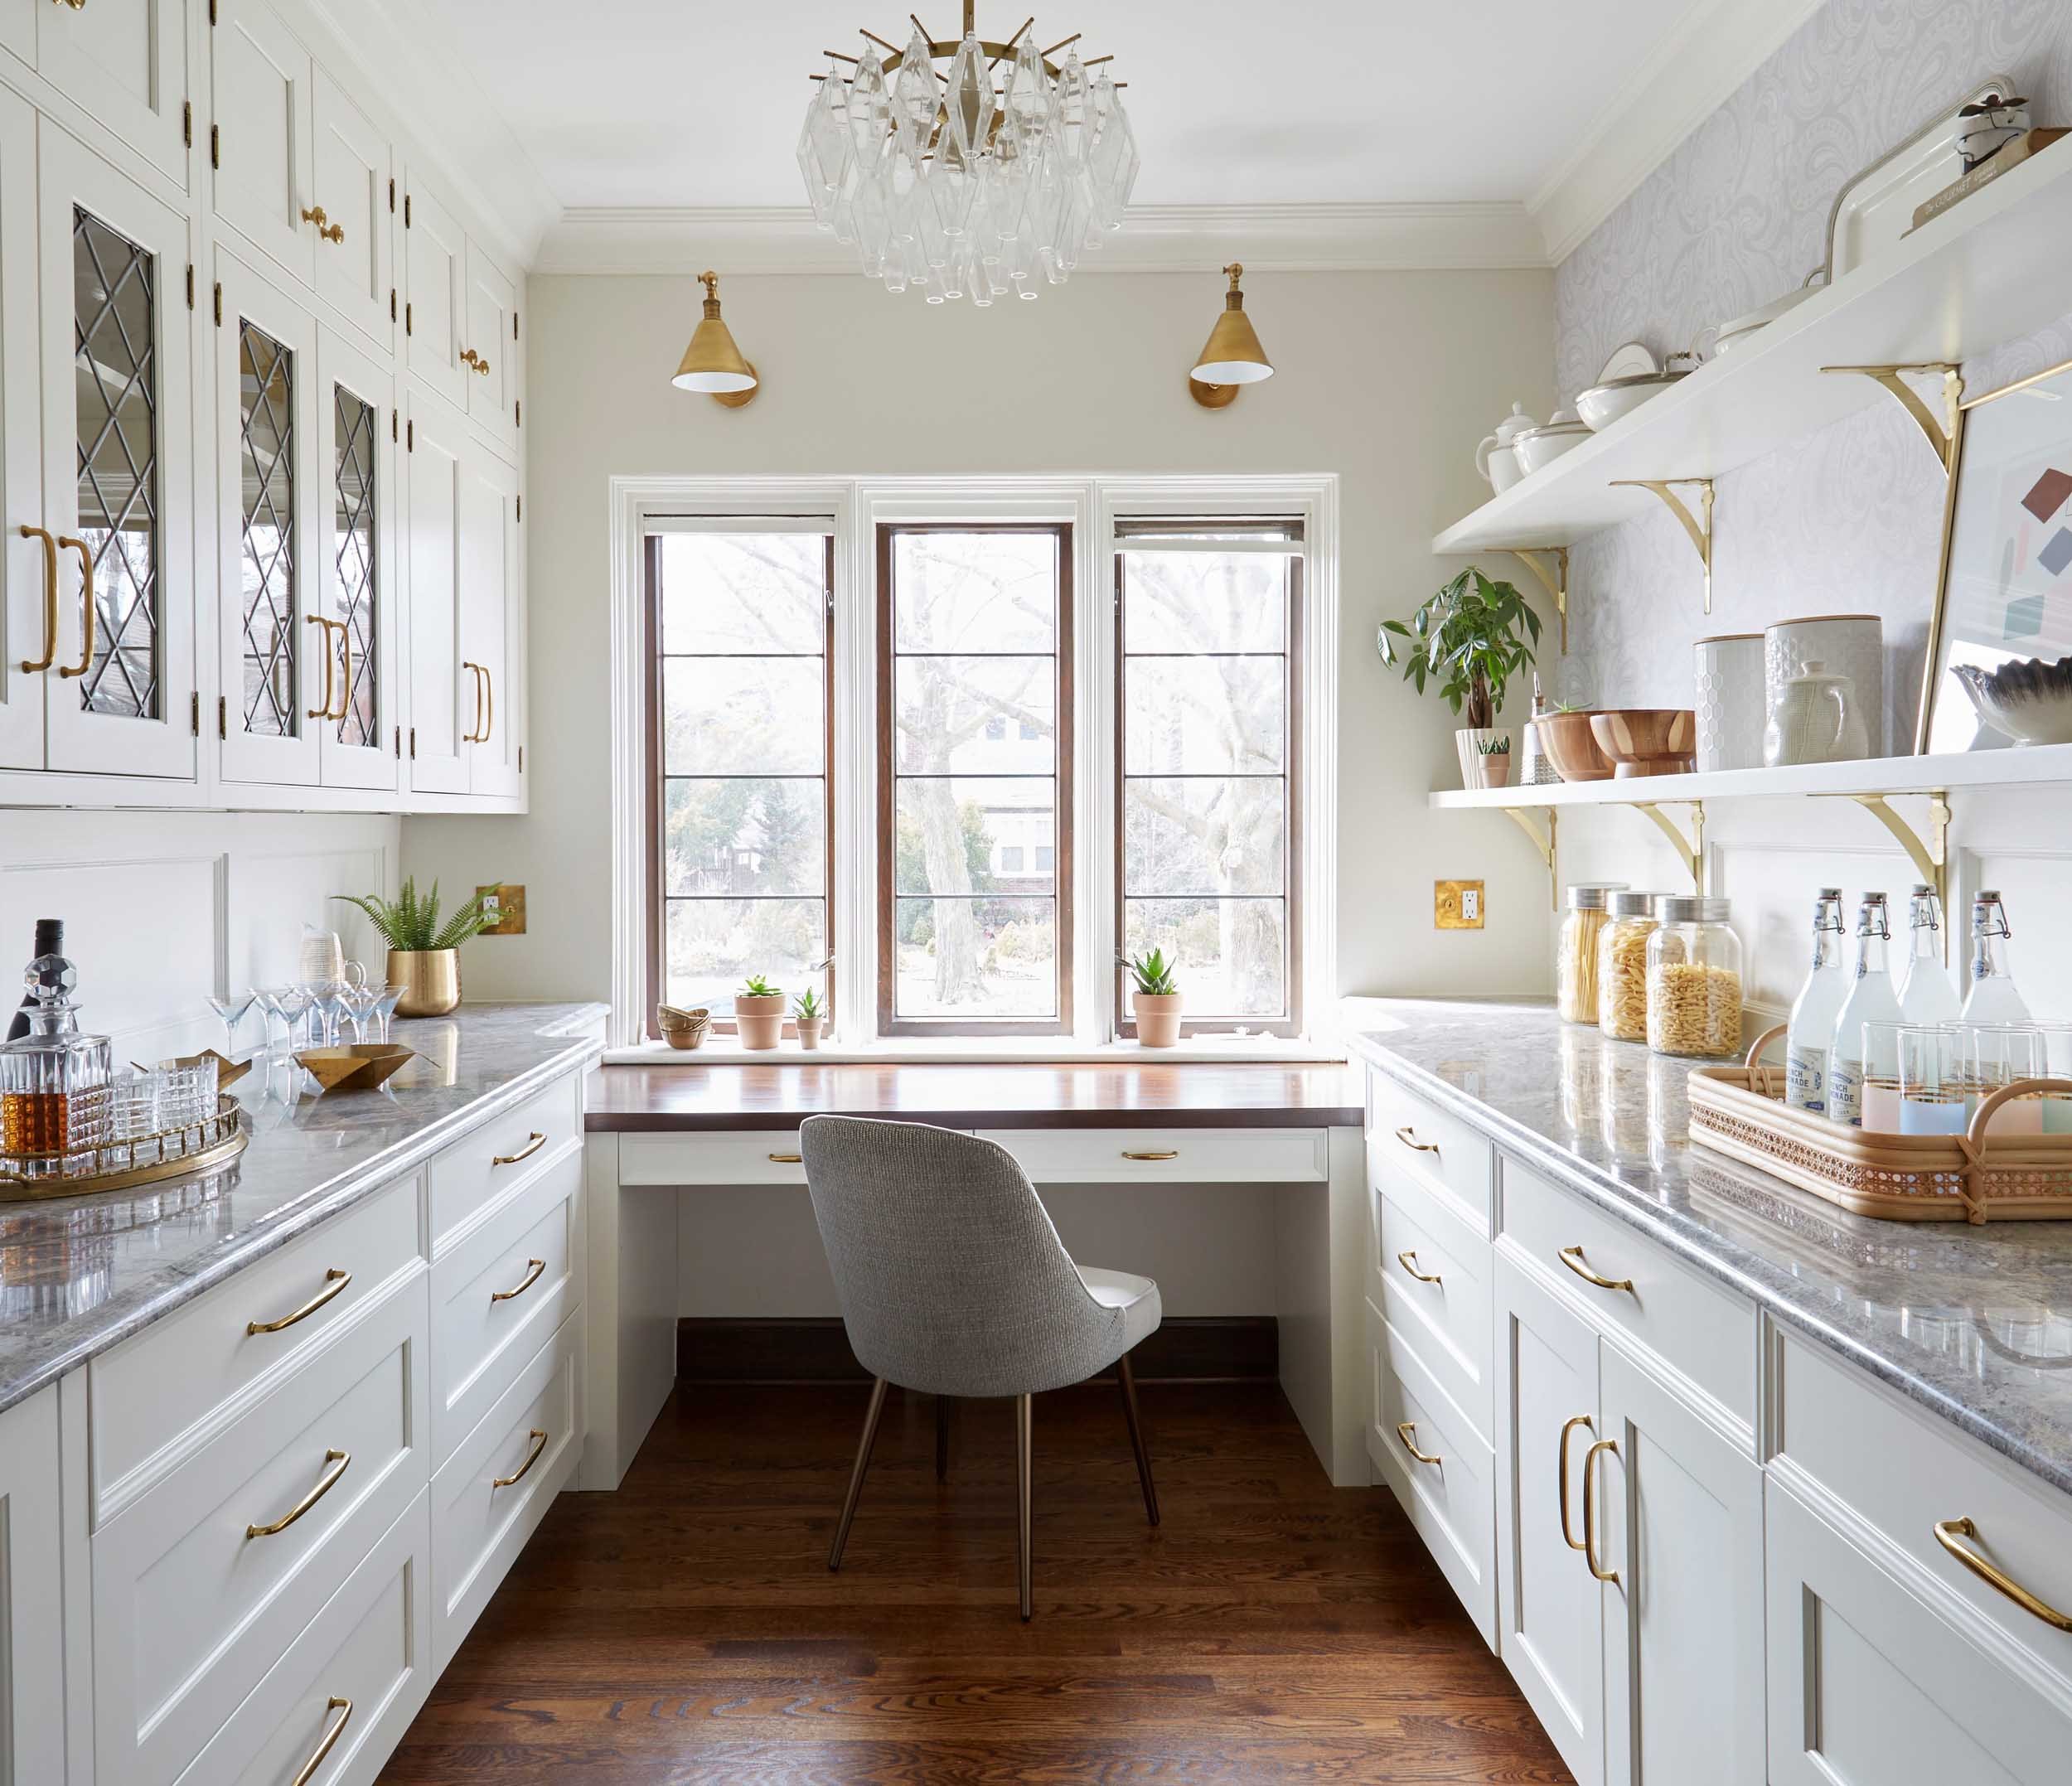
(953, 1282)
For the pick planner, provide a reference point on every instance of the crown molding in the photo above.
(1155, 238)
(1689, 76)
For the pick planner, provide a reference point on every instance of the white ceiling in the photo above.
(686, 103)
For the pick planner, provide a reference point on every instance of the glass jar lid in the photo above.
(1682, 908)
(1634, 904)
(1589, 896)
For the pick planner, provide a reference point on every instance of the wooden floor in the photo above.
(686, 1630)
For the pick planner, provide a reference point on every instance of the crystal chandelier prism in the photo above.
(973, 181)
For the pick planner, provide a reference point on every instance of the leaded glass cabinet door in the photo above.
(356, 561)
(280, 662)
(119, 451)
(23, 559)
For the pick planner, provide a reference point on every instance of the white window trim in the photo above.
(1093, 505)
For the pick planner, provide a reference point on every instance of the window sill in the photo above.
(725, 1051)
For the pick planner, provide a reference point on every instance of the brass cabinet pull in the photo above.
(1590, 1510)
(336, 1462)
(36, 666)
(489, 702)
(1948, 1531)
(1169, 1152)
(788, 1160)
(1408, 1137)
(469, 357)
(1572, 1257)
(471, 736)
(308, 1771)
(532, 1144)
(532, 1457)
(334, 1282)
(1406, 1436)
(1561, 1477)
(345, 670)
(1408, 1261)
(327, 230)
(77, 6)
(318, 620)
(86, 608)
(534, 1267)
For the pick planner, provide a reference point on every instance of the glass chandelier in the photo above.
(947, 182)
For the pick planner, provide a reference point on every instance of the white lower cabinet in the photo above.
(31, 1595)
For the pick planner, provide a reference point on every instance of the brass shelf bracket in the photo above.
(1553, 576)
(1944, 432)
(1929, 854)
(1690, 850)
(1548, 842)
(1699, 526)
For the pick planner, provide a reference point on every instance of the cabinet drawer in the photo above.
(1906, 1472)
(1700, 1329)
(202, 1360)
(499, 1482)
(1413, 1136)
(1430, 1277)
(1452, 1502)
(490, 1160)
(1162, 1156)
(370, 1647)
(190, 1605)
(498, 1296)
(764, 1157)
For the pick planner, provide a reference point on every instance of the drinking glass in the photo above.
(231, 1010)
(1881, 1078)
(1931, 1081)
(135, 1104)
(384, 1007)
(327, 1004)
(359, 1002)
(291, 1004)
(1996, 1055)
(2055, 1042)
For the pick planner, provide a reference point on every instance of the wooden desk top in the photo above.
(1207, 1095)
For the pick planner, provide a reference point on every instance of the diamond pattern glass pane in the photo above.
(353, 547)
(266, 516)
(114, 333)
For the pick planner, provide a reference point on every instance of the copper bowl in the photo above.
(1571, 746)
(1648, 740)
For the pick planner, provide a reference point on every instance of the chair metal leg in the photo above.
(1023, 1441)
(1125, 1379)
(856, 1475)
(941, 1438)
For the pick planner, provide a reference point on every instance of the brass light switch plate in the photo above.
(510, 905)
(1458, 905)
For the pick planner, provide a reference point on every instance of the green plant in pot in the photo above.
(809, 1011)
(1470, 638)
(423, 953)
(1155, 998)
(758, 1013)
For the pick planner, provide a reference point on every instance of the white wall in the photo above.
(1387, 379)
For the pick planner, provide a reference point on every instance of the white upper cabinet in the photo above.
(491, 643)
(124, 64)
(435, 294)
(25, 559)
(355, 188)
(261, 143)
(435, 442)
(491, 352)
(356, 522)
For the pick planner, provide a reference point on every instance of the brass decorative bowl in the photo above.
(356, 1067)
(1648, 740)
(1572, 747)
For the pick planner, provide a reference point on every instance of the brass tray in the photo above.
(222, 1138)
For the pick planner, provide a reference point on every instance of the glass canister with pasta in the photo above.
(1694, 980)
(1622, 965)
(1575, 959)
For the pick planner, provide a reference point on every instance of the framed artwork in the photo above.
(2000, 646)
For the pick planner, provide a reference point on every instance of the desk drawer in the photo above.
(498, 1297)
(1448, 1322)
(1703, 1331)
(201, 1359)
(370, 1646)
(757, 1157)
(490, 1159)
(1164, 1156)
(1413, 1136)
(190, 1609)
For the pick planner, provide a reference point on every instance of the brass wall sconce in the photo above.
(1232, 355)
(712, 363)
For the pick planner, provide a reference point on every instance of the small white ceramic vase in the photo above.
(1730, 701)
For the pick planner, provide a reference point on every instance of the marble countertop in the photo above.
(1974, 1323)
(78, 1274)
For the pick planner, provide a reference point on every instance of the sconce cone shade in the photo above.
(712, 363)
(1233, 355)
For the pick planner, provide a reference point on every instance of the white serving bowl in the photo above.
(1537, 448)
(1603, 404)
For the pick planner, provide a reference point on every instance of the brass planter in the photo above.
(430, 979)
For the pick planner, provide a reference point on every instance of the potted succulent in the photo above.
(423, 954)
(809, 1013)
(1155, 999)
(1472, 638)
(1496, 760)
(758, 1013)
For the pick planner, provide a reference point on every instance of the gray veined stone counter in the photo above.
(1975, 1323)
(78, 1274)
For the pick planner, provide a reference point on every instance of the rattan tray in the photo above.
(1741, 1111)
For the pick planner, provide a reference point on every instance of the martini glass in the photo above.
(291, 1004)
(231, 1011)
(385, 1005)
(328, 1006)
(359, 1001)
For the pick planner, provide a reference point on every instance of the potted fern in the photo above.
(809, 1012)
(423, 954)
(1155, 998)
(758, 1013)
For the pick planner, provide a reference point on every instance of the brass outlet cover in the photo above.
(1459, 905)
(511, 902)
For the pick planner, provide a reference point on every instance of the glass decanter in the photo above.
(54, 1081)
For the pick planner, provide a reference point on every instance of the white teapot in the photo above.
(1815, 718)
(1494, 457)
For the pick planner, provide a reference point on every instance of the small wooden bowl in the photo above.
(357, 1067)
(1648, 740)
(1571, 746)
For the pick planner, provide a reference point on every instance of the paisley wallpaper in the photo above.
(1849, 520)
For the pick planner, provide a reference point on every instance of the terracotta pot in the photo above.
(1648, 740)
(810, 1032)
(759, 1018)
(1571, 746)
(1496, 769)
(1158, 1018)
(430, 980)
(1474, 766)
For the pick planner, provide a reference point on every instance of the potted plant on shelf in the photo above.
(1496, 760)
(809, 1014)
(1156, 1000)
(1472, 638)
(423, 954)
(758, 1013)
